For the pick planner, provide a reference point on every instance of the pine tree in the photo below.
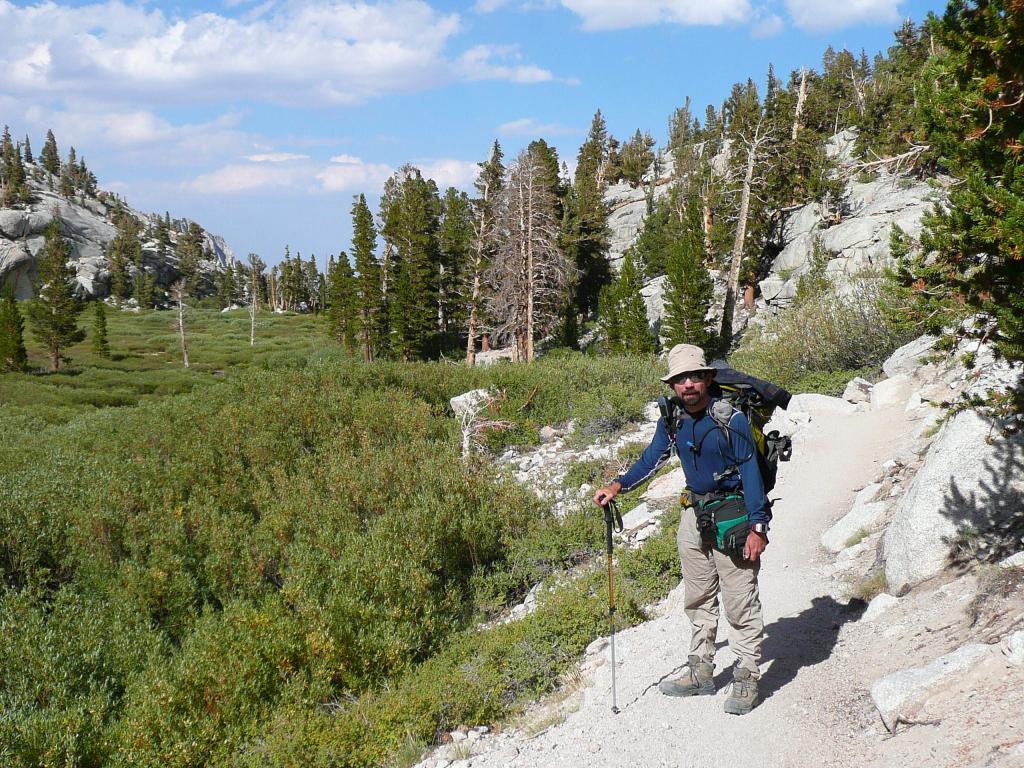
(455, 241)
(50, 157)
(69, 175)
(975, 122)
(123, 252)
(688, 287)
(410, 212)
(100, 344)
(311, 279)
(342, 311)
(13, 187)
(53, 315)
(636, 336)
(225, 288)
(144, 288)
(189, 250)
(609, 318)
(371, 320)
(26, 148)
(637, 157)
(586, 236)
(12, 333)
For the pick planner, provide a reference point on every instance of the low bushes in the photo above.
(826, 338)
(301, 552)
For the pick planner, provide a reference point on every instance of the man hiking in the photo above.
(715, 444)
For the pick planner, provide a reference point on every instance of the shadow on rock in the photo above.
(988, 513)
(794, 642)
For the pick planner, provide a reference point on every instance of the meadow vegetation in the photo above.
(288, 563)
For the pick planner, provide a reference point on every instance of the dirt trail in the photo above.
(812, 714)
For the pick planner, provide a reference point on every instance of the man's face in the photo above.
(692, 389)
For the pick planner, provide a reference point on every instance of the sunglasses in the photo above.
(692, 376)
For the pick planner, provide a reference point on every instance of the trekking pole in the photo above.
(612, 523)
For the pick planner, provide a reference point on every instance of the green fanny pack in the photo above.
(723, 523)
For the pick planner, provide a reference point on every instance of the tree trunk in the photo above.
(473, 320)
(800, 98)
(732, 287)
(530, 276)
(709, 223)
(181, 329)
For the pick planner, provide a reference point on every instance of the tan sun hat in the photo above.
(683, 358)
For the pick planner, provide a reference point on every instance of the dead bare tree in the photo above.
(801, 97)
(256, 267)
(752, 147)
(178, 294)
(473, 424)
(484, 236)
(529, 274)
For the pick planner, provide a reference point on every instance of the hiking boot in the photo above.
(697, 679)
(743, 696)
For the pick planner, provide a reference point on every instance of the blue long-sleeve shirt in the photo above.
(706, 454)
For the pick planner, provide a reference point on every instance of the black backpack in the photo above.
(756, 399)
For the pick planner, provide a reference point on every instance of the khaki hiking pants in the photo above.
(707, 573)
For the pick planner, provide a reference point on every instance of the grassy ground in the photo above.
(146, 362)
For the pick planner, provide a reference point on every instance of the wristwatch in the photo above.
(761, 528)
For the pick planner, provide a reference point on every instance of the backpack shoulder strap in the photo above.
(669, 412)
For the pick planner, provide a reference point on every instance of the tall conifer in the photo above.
(371, 320)
(50, 157)
(100, 343)
(12, 333)
(53, 315)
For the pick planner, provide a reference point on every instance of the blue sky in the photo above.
(260, 119)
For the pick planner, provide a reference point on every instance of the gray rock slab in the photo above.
(891, 392)
(641, 514)
(809, 402)
(864, 515)
(879, 604)
(666, 489)
(898, 695)
(1013, 561)
(1014, 649)
(906, 358)
(963, 486)
(858, 390)
(788, 422)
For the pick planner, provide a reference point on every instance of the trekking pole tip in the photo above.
(615, 710)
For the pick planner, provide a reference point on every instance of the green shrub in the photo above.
(826, 337)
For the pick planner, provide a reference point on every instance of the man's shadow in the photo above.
(794, 642)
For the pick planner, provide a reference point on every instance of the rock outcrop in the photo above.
(87, 224)
(856, 243)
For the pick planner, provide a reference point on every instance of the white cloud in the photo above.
(825, 15)
(275, 157)
(137, 136)
(449, 172)
(489, 6)
(350, 173)
(306, 52)
(767, 27)
(616, 14)
(237, 178)
(478, 63)
(528, 126)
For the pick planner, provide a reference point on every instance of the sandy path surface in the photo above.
(812, 712)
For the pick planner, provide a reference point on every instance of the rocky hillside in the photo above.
(87, 223)
(855, 241)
